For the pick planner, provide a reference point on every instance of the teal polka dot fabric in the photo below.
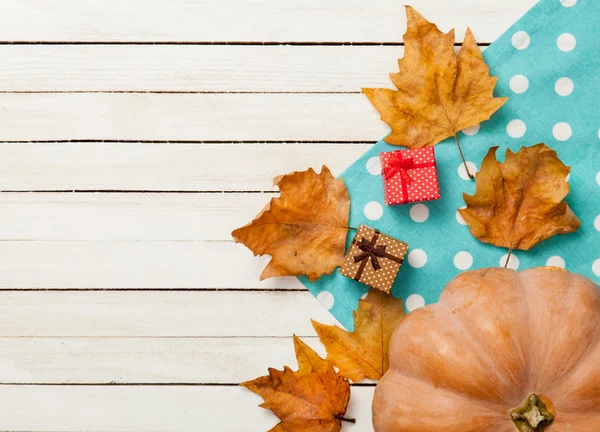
(548, 64)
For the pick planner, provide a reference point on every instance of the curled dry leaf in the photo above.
(304, 230)
(439, 93)
(519, 203)
(364, 353)
(314, 399)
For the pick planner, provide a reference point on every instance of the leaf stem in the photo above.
(345, 419)
(471, 176)
(508, 257)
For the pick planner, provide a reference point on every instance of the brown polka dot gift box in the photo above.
(409, 176)
(374, 258)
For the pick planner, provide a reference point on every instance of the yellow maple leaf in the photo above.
(439, 93)
(364, 353)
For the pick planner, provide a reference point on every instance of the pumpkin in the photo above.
(502, 351)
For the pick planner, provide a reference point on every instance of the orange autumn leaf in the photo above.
(313, 399)
(364, 353)
(519, 203)
(304, 229)
(439, 93)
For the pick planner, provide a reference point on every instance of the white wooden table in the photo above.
(134, 136)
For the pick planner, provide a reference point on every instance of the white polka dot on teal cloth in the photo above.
(566, 42)
(459, 217)
(513, 262)
(471, 131)
(596, 267)
(597, 223)
(414, 301)
(419, 213)
(564, 86)
(326, 299)
(462, 171)
(598, 178)
(463, 260)
(562, 131)
(516, 128)
(373, 211)
(556, 261)
(568, 3)
(519, 84)
(417, 258)
(374, 165)
(521, 40)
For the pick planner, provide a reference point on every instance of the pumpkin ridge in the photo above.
(504, 406)
(529, 347)
(484, 355)
(573, 303)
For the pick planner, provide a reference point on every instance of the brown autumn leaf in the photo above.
(313, 399)
(365, 352)
(439, 93)
(304, 230)
(519, 203)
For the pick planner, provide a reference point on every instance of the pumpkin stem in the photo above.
(532, 416)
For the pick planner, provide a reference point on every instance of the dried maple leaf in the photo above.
(519, 203)
(439, 93)
(365, 352)
(304, 230)
(314, 399)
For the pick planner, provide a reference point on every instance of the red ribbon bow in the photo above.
(398, 164)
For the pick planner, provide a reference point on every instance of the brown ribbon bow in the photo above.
(370, 251)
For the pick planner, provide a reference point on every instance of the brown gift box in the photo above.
(374, 259)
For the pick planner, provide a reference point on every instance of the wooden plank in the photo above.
(130, 217)
(159, 314)
(144, 360)
(183, 264)
(167, 167)
(197, 117)
(157, 409)
(190, 68)
(246, 20)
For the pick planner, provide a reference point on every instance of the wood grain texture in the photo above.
(121, 360)
(196, 117)
(132, 264)
(159, 314)
(153, 408)
(208, 68)
(246, 20)
(164, 167)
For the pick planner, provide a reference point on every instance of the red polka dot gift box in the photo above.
(409, 176)
(374, 259)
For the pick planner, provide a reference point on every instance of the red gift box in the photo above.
(409, 176)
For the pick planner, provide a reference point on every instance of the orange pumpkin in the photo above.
(502, 351)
